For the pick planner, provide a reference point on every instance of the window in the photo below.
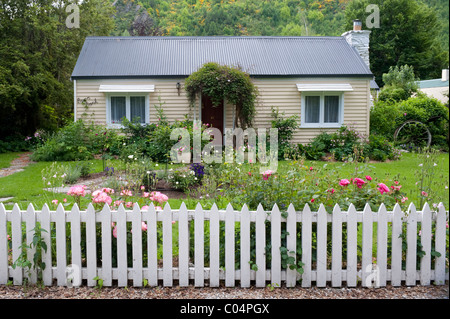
(322, 109)
(131, 106)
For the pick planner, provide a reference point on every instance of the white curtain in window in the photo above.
(137, 108)
(312, 109)
(118, 108)
(331, 109)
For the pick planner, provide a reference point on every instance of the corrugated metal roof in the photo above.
(435, 83)
(181, 56)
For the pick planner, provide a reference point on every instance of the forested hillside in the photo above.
(243, 17)
(229, 17)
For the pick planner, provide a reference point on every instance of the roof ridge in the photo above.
(208, 37)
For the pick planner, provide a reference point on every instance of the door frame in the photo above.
(224, 117)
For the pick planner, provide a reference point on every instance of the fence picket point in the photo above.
(352, 245)
(30, 219)
(321, 272)
(152, 245)
(75, 227)
(396, 253)
(425, 238)
(411, 240)
(382, 246)
(167, 246)
(229, 247)
(61, 251)
(106, 226)
(275, 228)
(291, 242)
(260, 246)
(214, 246)
(245, 247)
(336, 232)
(183, 246)
(4, 276)
(199, 252)
(306, 245)
(440, 246)
(46, 254)
(367, 233)
(136, 226)
(122, 260)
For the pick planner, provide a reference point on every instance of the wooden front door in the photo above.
(212, 115)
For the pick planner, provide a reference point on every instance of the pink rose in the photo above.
(404, 199)
(359, 182)
(77, 190)
(368, 178)
(344, 182)
(267, 174)
(383, 188)
(115, 232)
(424, 193)
(55, 201)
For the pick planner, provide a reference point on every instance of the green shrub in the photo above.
(386, 117)
(77, 141)
(346, 144)
(286, 128)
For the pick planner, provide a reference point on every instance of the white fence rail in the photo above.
(345, 247)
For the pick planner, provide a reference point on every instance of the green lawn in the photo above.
(27, 186)
(6, 158)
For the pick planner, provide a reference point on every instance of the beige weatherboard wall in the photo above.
(284, 93)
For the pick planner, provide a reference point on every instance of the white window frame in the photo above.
(321, 123)
(128, 108)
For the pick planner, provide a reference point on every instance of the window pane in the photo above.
(331, 109)
(137, 108)
(118, 108)
(312, 109)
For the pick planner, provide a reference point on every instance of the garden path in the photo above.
(17, 165)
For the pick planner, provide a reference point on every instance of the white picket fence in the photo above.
(326, 268)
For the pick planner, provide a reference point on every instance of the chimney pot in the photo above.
(357, 25)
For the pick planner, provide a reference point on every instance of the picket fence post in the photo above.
(46, 255)
(3, 246)
(199, 252)
(183, 246)
(306, 244)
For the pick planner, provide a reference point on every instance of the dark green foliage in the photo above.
(345, 144)
(386, 117)
(286, 128)
(77, 141)
(408, 34)
(37, 56)
(221, 82)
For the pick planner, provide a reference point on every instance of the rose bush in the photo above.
(302, 184)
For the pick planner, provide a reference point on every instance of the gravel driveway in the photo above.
(389, 292)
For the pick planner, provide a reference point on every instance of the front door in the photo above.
(212, 115)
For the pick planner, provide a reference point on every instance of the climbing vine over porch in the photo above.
(221, 82)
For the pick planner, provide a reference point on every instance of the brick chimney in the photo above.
(359, 39)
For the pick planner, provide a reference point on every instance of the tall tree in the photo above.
(408, 34)
(38, 51)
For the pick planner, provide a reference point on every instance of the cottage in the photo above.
(326, 81)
